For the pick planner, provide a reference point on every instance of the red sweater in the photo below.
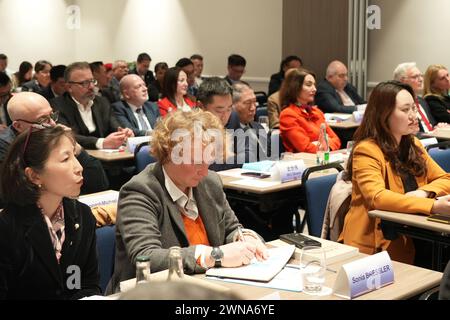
(165, 106)
(299, 129)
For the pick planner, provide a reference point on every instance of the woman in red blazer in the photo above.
(174, 92)
(299, 121)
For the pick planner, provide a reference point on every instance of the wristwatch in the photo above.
(217, 255)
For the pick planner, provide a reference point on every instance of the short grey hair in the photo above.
(116, 64)
(238, 88)
(332, 68)
(402, 68)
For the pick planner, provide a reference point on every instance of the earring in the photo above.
(39, 186)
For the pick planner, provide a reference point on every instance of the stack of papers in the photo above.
(337, 117)
(263, 271)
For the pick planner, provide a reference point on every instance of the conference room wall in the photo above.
(411, 30)
(167, 30)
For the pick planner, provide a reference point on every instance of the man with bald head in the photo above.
(29, 109)
(335, 93)
(135, 111)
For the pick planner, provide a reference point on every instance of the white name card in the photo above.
(364, 275)
(358, 116)
(133, 142)
(285, 171)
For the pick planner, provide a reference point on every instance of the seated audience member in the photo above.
(274, 110)
(135, 111)
(101, 76)
(4, 63)
(216, 96)
(197, 60)
(142, 69)
(254, 143)
(41, 79)
(57, 85)
(335, 93)
(176, 290)
(276, 79)
(409, 73)
(24, 74)
(390, 170)
(5, 95)
(45, 232)
(175, 92)
(236, 68)
(89, 116)
(119, 70)
(28, 109)
(187, 66)
(160, 71)
(178, 202)
(299, 121)
(436, 86)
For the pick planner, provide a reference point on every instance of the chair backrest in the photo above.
(444, 289)
(317, 190)
(261, 97)
(106, 249)
(441, 156)
(261, 111)
(142, 156)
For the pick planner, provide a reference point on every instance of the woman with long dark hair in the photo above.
(390, 170)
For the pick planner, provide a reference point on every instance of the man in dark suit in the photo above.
(142, 69)
(251, 141)
(57, 85)
(134, 111)
(335, 94)
(236, 68)
(89, 116)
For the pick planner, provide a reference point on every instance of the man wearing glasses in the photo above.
(5, 95)
(29, 109)
(88, 115)
(335, 93)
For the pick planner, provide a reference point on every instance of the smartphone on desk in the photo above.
(300, 240)
(259, 175)
(442, 218)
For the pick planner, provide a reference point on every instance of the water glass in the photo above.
(313, 267)
(349, 147)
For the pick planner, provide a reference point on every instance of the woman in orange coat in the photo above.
(299, 121)
(391, 171)
(174, 92)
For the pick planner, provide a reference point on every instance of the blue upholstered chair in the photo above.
(106, 248)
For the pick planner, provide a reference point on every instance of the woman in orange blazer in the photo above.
(174, 92)
(299, 121)
(391, 171)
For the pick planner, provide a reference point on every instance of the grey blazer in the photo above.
(149, 223)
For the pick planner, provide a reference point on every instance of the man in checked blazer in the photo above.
(135, 111)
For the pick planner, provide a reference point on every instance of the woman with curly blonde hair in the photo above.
(178, 202)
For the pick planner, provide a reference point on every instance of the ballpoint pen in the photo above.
(241, 235)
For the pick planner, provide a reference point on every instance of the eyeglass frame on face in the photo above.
(416, 77)
(44, 121)
(85, 84)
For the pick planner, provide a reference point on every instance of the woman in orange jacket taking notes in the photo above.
(390, 170)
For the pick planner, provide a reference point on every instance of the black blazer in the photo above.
(28, 265)
(124, 115)
(34, 86)
(440, 107)
(427, 110)
(329, 101)
(104, 119)
(275, 82)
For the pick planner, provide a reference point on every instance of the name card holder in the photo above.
(364, 275)
(285, 171)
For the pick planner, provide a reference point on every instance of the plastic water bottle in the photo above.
(323, 148)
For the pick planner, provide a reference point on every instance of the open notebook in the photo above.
(257, 270)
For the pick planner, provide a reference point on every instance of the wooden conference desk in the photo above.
(417, 226)
(410, 281)
(111, 156)
(442, 134)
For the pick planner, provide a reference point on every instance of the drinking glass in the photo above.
(313, 267)
(349, 147)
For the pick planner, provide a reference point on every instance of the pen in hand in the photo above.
(241, 234)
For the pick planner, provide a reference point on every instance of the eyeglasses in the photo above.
(43, 122)
(416, 77)
(86, 83)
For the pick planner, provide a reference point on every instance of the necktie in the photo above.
(141, 119)
(424, 118)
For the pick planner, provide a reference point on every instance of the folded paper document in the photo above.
(258, 270)
(261, 166)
